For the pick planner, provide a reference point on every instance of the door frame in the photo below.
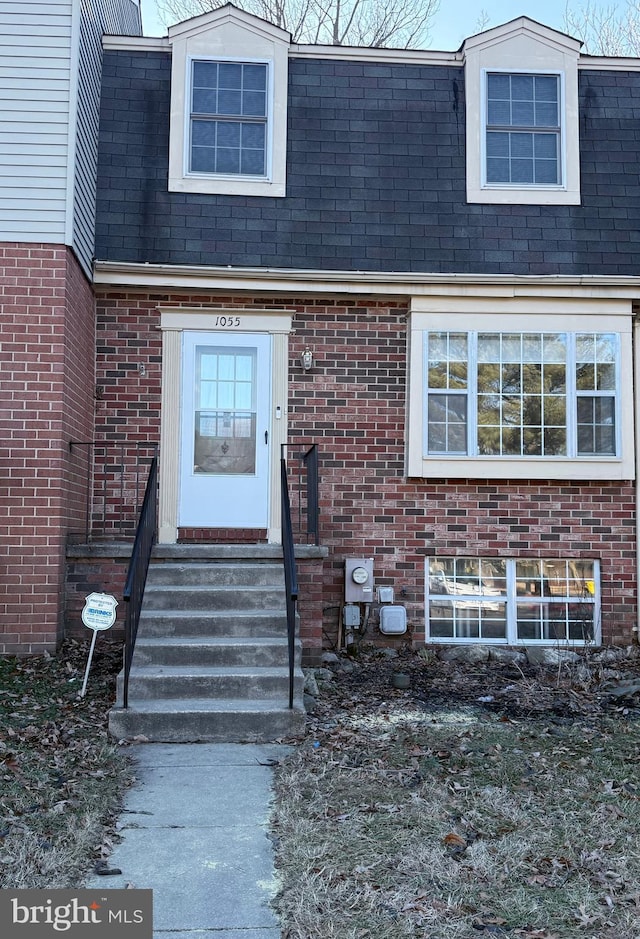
(173, 322)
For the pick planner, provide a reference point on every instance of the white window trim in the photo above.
(513, 315)
(511, 602)
(525, 47)
(231, 179)
(228, 35)
(531, 187)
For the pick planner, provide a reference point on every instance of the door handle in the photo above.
(266, 436)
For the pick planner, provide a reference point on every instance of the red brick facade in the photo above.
(93, 571)
(352, 404)
(222, 535)
(47, 390)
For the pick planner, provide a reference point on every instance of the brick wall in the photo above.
(128, 376)
(95, 569)
(352, 403)
(46, 390)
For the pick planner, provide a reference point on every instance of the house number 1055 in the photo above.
(230, 322)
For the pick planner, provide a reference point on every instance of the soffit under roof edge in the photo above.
(356, 54)
(110, 273)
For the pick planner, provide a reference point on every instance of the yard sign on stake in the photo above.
(99, 613)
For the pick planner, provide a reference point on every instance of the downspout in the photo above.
(636, 404)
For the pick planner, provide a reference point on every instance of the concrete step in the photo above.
(232, 623)
(212, 598)
(202, 573)
(211, 658)
(179, 720)
(208, 650)
(201, 681)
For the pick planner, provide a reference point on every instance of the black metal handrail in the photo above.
(304, 486)
(114, 479)
(290, 572)
(138, 568)
(310, 460)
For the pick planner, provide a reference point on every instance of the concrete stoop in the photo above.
(211, 657)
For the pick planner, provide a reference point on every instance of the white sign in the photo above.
(99, 611)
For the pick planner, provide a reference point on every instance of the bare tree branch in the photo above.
(605, 30)
(403, 24)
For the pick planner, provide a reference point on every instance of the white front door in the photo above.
(225, 430)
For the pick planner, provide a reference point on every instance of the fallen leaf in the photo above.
(454, 841)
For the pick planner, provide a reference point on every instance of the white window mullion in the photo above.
(512, 611)
(597, 609)
(617, 408)
(553, 607)
(472, 404)
(469, 449)
(498, 89)
(572, 399)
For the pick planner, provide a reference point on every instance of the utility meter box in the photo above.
(393, 620)
(351, 616)
(358, 580)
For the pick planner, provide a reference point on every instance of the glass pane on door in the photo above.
(225, 411)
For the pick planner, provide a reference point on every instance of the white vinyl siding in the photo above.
(50, 65)
(86, 154)
(35, 64)
(121, 17)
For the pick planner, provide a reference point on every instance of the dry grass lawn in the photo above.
(398, 818)
(486, 801)
(61, 777)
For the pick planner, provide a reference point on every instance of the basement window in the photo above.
(515, 601)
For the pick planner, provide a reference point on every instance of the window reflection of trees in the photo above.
(550, 600)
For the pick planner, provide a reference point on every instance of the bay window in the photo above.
(529, 387)
(521, 394)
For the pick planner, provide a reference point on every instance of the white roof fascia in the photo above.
(522, 25)
(609, 63)
(226, 14)
(390, 56)
(364, 54)
(114, 273)
(136, 43)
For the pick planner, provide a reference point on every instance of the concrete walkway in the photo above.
(194, 829)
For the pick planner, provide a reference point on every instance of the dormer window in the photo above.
(523, 142)
(521, 97)
(229, 82)
(229, 111)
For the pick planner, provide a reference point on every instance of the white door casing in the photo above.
(221, 329)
